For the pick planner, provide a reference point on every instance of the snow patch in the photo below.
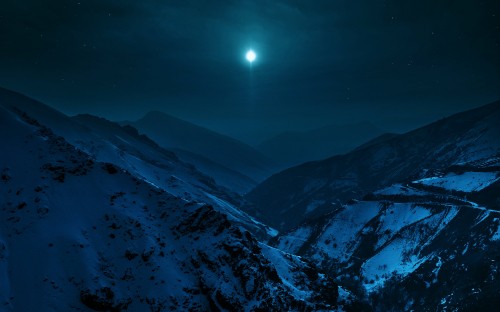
(465, 182)
(496, 235)
(337, 240)
(398, 216)
(396, 259)
(293, 241)
(313, 205)
(399, 189)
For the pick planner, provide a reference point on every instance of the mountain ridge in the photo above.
(124, 147)
(172, 132)
(328, 183)
(106, 240)
(426, 238)
(293, 147)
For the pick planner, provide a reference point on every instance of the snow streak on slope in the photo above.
(465, 182)
(342, 230)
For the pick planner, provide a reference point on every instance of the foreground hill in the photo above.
(312, 189)
(429, 244)
(77, 234)
(128, 138)
(106, 141)
(174, 133)
(409, 222)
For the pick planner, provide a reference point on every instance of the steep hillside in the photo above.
(78, 234)
(312, 189)
(293, 148)
(171, 132)
(128, 138)
(223, 176)
(430, 244)
(106, 141)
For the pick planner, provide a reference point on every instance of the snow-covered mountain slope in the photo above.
(77, 234)
(221, 175)
(428, 244)
(307, 191)
(127, 140)
(230, 179)
(109, 142)
(293, 148)
(171, 132)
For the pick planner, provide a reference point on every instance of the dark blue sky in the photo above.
(396, 63)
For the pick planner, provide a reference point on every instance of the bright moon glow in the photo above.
(251, 56)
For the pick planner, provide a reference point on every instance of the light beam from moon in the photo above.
(251, 56)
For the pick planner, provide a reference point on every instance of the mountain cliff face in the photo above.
(410, 222)
(312, 189)
(426, 244)
(124, 147)
(78, 234)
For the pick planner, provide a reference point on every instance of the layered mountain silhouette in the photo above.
(123, 146)
(103, 224)
(101, 216)
(290, 197)
(409, 222)
(293, 148)
(187, 138)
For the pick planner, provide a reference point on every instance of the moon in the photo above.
(251, 56)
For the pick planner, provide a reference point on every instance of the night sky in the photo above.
(396, 63)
